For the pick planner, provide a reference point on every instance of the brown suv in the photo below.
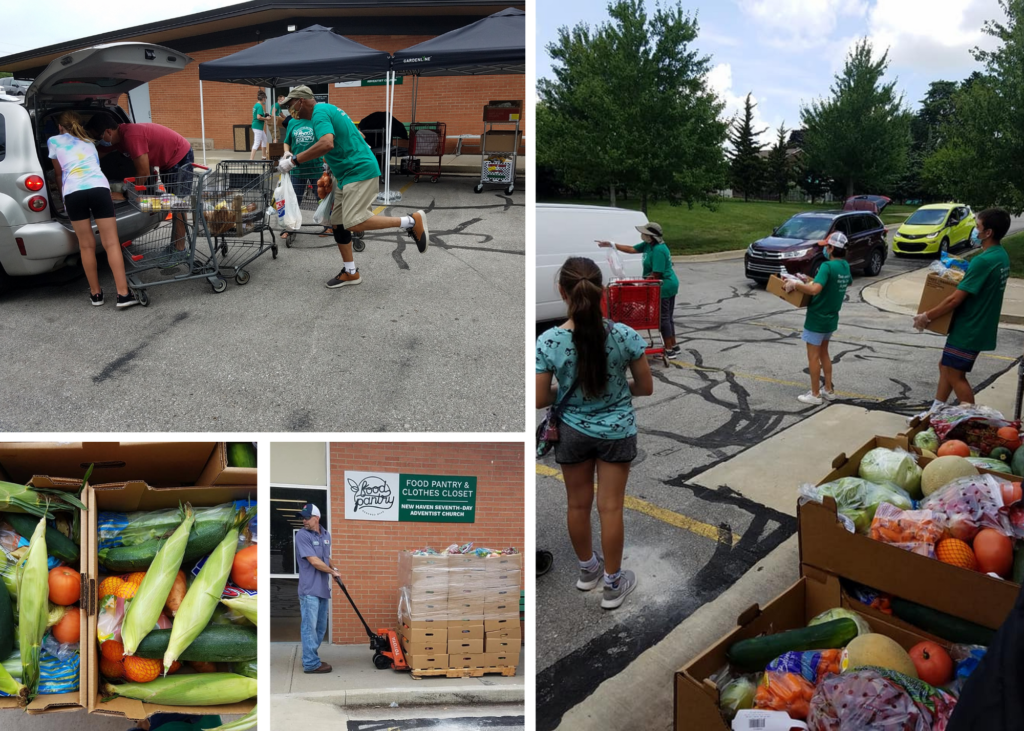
(793, 246)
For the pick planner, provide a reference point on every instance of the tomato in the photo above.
(934, 665)
(994, 552)
(65, 586)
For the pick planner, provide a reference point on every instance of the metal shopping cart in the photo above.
(171, 246)
(426, 139)
(233, 201)
(308, 201)
(637, 303)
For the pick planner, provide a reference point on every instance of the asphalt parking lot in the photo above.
(691, 535)
(428, 342)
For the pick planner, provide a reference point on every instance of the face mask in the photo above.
(103, 142)
(975, 237)
(827, 255)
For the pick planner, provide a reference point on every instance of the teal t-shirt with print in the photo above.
(975, 324)
(823, 312)
(299, 138)
(610, 415)
(351, 159)
(658, 259)
(257, 111)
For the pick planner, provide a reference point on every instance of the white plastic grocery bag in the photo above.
(615, 263)
(289, 215)
(323, 211)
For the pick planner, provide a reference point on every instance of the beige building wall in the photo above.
(298, 463)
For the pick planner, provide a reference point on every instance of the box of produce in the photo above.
(232, 463)
(797, 299)
(939, 532)
(808, 649)
(172, 576)
(936, 289)
(43, 655)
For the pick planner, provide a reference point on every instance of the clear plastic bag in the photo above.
(323, 211)
(62, 651)
(57, 675)
(813, 665)
(784, 691)
(735, 692)
(858, 499)
(130, 529)
(945, 272)
(892, 465)
(615, 263)
(970, 504)
(916, 531)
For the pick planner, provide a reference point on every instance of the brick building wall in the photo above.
(457, 101)
(366, 552)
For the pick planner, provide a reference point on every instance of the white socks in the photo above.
(407, 222)
(612, 579)
(590, 565)
(350, 267)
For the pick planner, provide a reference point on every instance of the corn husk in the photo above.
(149, 600)
(54, 613)
(12, 687)
(23, 499)
(196, 609)
(197, 689)
(33, 607)
(244, 605)
(244, 723)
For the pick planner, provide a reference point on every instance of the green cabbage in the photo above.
(927, 440)
(896, 466)
(863, 628)
(738, 695)
(858, 499)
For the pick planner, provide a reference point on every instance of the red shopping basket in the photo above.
(636, 303)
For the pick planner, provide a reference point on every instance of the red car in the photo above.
(793, 246)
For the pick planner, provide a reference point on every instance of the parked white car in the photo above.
(571, 230)
(36, 235)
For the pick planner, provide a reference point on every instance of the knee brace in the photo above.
(342, 235)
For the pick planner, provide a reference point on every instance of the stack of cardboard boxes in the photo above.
(460, 611)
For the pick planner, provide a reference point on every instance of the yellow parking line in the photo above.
(677, 520)
(406, 187)
(850, 338)
(767, 379)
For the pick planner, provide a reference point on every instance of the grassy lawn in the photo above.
(734, 225)
(1014, 246)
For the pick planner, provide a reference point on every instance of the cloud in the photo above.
(720, 80)
(801, 23)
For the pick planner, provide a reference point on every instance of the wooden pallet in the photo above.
(507, 671)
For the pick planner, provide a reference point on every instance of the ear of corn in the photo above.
(244, 605)
(12, 687)
(23, 499)
(198, 689)
(244, 723)
(149, 600)
(33, 607)
(196, 609)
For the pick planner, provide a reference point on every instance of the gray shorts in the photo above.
(574, 447)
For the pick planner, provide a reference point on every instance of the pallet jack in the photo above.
(387, 649)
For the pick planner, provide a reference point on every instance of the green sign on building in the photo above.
(436, 499)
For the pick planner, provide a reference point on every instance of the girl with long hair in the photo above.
(592, 359)
(86, 193)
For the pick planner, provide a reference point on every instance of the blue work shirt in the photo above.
(307, 544)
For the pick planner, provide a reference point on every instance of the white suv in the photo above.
(35, 234)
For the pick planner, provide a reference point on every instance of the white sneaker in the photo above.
(828, 395)
(809, 398)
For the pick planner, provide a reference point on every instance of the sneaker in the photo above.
(344, 278)
(97, 299)
(589, 579)
(127, 300)
(828, 395)
(616, 594)
(809, 398)
(419, 232)
(673, 351)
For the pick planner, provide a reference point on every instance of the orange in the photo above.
(141, 669)
(109, 585)
(956, 553)
(112, 650)
(954, 447)
(136, 577)
(127, 589)
(111, 668)
(175, 667)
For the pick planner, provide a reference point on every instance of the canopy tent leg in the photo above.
(202, 119)
(273, 101)
(387, 197)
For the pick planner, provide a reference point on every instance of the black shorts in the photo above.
(574, 447)
(95, 202)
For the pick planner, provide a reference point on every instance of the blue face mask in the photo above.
(975, 237)
(104, 143)
(827, 255)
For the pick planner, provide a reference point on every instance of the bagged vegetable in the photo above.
(863, 628)
(289, 215)
(242, 605)
(735, 692)
(986, 463)
(131, 529)
(885, 700)
(813, 665)
(59, 674)
(976, 426)
(970, 504)
(111, 614)
(323, 211)
(913, 530)
(882, 465)
(781, 691)
(927, 439)
(858, 499)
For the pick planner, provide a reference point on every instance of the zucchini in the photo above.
(58, 545)
(1018, 564)
(216, 643)
(6, 623)
(245, 667)
(203, 539)
(755, 653)
(950, 628)
(1017, 462)
(241, 454)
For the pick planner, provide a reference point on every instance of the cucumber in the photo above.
(1018, 564)
(241, 454)
(246, 668)
(216, 643)
(1017, 463)
(6, 623)
(58, 545)
(203, 539)
(940, 624)
(754, 654)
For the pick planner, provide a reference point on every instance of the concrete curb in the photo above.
(433, 696)
(715, 256)
(875, 295)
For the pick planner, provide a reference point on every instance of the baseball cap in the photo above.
(299, 92)
(652, 229)
(309, 511)
(838, 240)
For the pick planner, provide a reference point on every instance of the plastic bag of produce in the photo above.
(970, 504)
(111, 615)
(130, 529)
(58, 675)
(615, 264)
(993, 465)
(323, 211)
(913, 530)
(863, 628)
(927, 439)
(813, 665)
(976, 426)
(735, 692)
(8, 565)
(885, 700)
(858, 499)
(892, 465)
(781, 691)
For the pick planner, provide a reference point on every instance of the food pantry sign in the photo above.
(409, 498)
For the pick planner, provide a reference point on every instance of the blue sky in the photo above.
(786, 52)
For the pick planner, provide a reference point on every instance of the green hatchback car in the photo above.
(934, 229)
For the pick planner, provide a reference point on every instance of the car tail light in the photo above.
(34, 183)
(21, 246)
(37, 203)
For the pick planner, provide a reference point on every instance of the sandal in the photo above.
(328, 231)
(286, 234)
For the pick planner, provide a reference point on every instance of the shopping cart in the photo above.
(234, 201)
(308, 201)
(426, 139)
(637, 303)
(171, 246)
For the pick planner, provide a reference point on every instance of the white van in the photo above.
(570, 230)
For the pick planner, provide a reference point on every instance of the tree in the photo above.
(860, 136)
(780, 169)
(630, 107)
(746, 166)
(810, 180)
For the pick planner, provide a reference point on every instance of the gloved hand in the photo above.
(789, 285)
(921, 321)
(287, 163)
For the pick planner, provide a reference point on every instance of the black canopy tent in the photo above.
(493, 45)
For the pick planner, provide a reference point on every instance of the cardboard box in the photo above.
(434, 634)
(506, 645)
(936, 289)
(504, 564)
(465, 647)
(797, 299)
(217, 471)
(427, 662)
(467, 660)
(501, 659)
(466, 610)
(826, 545)
(127, 497)
(496, 625)
(502, 608)
(501, 141)
(696, 696)
(506, 633)
(497, 595)
(466, 630)
(424, 648)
